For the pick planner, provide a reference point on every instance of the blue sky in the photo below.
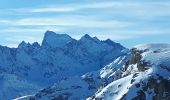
(129, 22)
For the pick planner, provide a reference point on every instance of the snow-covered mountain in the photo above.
(145, 77)
(140, 74)
(78, 87)
(35, 66)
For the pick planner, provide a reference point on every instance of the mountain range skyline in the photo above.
(60, 35)
(127, 22)
(36, 66)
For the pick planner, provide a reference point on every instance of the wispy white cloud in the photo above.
(76, 21)
(30, 30)
(68, 7)
(4, 21)
(134, 8)
(45, 9)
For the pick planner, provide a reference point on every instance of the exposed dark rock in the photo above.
(140, 96)
(135, 56)
(135, 75)
(132, 81)
(137, 85)
(161, 89)
(142, 65)
(91, 87)
(60, 97)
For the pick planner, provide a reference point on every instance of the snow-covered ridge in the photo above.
(152, 46)
(57, 58)
(155, 53)
(146, 77)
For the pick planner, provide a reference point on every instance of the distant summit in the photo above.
(53, 40)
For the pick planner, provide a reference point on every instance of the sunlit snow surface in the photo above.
(156, 55)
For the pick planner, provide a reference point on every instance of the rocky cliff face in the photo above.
(157, 83)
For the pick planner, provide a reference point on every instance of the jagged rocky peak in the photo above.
(53, 40)
(86, 37)
(96, 38)
(109, 41)
(112, 43)
(23, 44)
(35, 44)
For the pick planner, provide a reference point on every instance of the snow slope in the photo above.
(156, 54)
(80, 88)
(13, 86)
(145, 78)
